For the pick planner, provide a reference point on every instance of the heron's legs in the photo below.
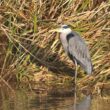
(75, 72)
(75, 85)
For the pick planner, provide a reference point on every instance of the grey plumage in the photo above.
(76, 48)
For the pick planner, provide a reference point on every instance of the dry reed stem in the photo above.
(26, 24)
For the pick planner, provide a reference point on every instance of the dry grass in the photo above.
(24, 27)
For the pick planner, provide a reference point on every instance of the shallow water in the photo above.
(25, 100)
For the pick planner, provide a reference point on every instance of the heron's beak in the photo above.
(55, 30)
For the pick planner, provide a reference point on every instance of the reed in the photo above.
(27, 47)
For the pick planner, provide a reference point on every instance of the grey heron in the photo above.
(76, 48)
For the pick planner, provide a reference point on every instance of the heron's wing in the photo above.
(79, 51)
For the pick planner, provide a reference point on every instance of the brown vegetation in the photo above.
(26, 46)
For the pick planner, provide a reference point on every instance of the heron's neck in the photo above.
(67, 31)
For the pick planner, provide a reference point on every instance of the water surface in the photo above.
(28, 100)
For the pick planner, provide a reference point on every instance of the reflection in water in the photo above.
(23, 100)
(84, 104)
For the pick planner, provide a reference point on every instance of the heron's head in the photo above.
(63, 29)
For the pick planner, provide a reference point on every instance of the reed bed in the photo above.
(27, 47)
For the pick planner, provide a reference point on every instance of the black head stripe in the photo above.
(65, 27)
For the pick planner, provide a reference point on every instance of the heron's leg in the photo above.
(75, 72)
(75, 91)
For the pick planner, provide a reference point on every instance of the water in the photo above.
(25, 100)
